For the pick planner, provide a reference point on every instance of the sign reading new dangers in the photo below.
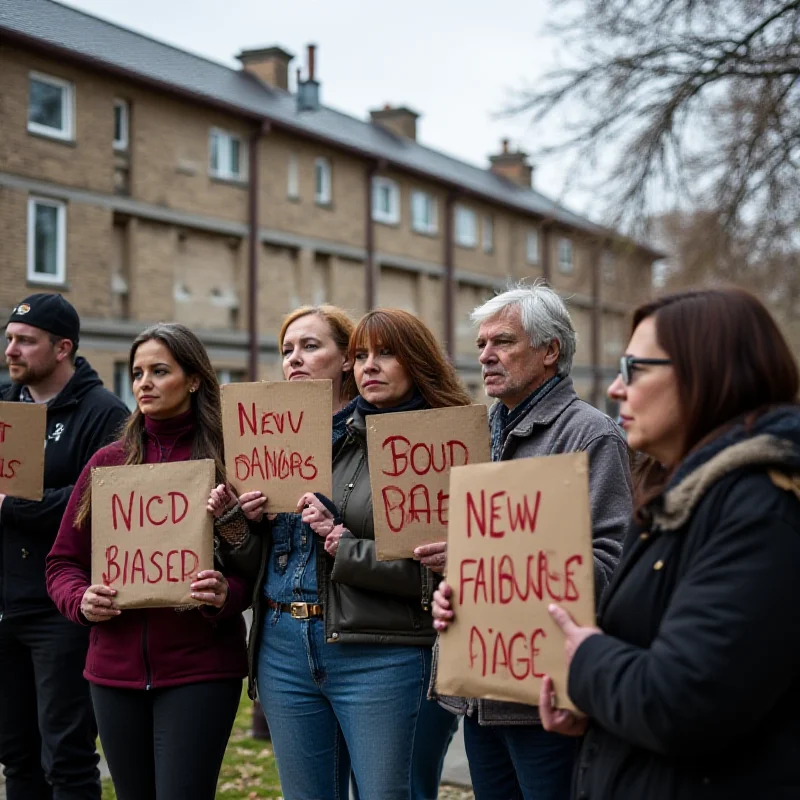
(22, 439)
(278, 440)
(410, 456)
(519, 539)
(151, 531)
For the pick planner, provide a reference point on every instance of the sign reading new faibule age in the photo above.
(519, 539)
(151, 531)
(410, 457)
(278, 439)
(22, 442)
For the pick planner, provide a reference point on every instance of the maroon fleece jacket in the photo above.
(155, 647)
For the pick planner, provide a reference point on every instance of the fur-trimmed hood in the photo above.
(772, 442)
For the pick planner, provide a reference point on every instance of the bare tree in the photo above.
(698, 98)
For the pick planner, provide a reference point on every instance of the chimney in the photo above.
(400, 121)
(268, 64)
(512, 166)
(308, 90)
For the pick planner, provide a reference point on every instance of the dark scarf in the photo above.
(504, 420)
(416, 403)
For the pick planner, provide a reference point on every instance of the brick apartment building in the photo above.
(146, 184)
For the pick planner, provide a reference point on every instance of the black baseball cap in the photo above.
(51, 313)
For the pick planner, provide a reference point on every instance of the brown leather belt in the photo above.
(297, 610)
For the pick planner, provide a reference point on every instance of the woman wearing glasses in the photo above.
(691, 683)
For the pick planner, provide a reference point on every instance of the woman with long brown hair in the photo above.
(165, 685)
(346, 684)
(691, 681)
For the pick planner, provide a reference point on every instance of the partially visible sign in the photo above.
(278, 439)
(22, 439)
(519, 538)
(151, 531)
(410, 456)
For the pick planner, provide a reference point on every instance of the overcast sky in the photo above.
(455, 62)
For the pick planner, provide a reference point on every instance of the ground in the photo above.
(249, 773)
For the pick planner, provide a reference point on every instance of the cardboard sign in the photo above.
(278, 440)
(519, 538)
(23, 428)
(410, 455)
(151, 531)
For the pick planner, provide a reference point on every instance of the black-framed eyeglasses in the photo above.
(629, 364)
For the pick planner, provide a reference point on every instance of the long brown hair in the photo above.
(193, 359)
(341, 329)
(415, 347)
(731, 362)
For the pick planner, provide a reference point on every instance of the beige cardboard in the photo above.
(410, 455)
(278, 439)
(503, 640)
(22, 442)
(151, 531)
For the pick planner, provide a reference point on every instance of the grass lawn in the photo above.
(248, 771)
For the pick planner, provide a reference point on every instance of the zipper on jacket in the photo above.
(148, 676)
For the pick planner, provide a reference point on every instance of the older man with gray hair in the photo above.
(527, 342)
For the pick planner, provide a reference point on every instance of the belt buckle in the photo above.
(299, 611)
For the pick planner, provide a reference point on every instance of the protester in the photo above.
(691, 683)
(47, 729)
(526, 343)
(165, 682)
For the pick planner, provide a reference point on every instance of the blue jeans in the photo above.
(519, 762)
(333, 706)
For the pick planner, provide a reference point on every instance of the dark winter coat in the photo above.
(80, 420)
(694, 691)
(151, 647)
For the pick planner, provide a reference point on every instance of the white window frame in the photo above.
(487, 233)
(293, 178)
(67, 133)
(428, 224)
(61, 241)
(226, 137)
(392, 216)
(532, 246)
(462, 213)
(566, 256)
(323, 198)
(119, 103)
(123, 384)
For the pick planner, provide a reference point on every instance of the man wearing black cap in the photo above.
(47, 729)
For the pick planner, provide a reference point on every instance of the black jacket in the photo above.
(83, 418)
(694, 691)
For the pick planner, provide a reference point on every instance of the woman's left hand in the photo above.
(222, 499)
(574, 634)
(315, 515)
(332, 540)
(210, 588)
(558, 720)
(433, 556)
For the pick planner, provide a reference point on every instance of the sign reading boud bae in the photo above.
(22, 440)
(519, 539)
(278, 440)
(410, 456)
(151, 531)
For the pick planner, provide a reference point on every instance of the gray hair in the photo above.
(543, 314)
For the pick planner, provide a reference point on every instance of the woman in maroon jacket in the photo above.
(165, 682)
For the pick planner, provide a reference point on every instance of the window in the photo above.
(565, 255)
(488, 234)
(322, 181)
(46, 241)
(424, 213)
(120, 125)
(122, 384)
(231, 375)
(50, 106)
(532, 247)
(609, 267)
(226, 156)
(293, 185)
(466, 227)
(385, 201)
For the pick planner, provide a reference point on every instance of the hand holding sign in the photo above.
(210, 588)
(97, 604)
(558, 720)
